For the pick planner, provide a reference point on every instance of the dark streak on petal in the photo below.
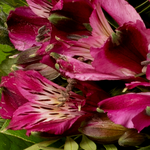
(41, 100)
(53, 113)
(46, 108)
(48, 91)
(42, 120)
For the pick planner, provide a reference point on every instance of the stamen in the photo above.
(32, 55)
(145, 63)
(61, 104)
(41, 37)
(41, 29)
(61, 99)
(79, 107)
(66, 94)
(124, 90)
(49, 47)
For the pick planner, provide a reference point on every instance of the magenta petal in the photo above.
(141, 121)
(44, 118)
(148, 72)
(11, 98)
(75, 9)
(129, 44)
(23, 27)
(35, 87)
(123, 109)
(120, 10)
(76, 69)
(41, 8)
(99, 23)
(137, 83)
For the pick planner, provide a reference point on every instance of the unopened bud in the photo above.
(101, 130)
(131, 138)
(45, 70)
(28, 56)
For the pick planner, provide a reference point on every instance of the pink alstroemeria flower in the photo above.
(73, 68)
(126, 48)
(23, 27)
(40, 111)
(120, 51)
(131, 110)
(29, 26)
(106, 52)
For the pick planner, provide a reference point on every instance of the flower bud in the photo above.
(101, 130)
(28, 56)
(131, 138)
(45, 70)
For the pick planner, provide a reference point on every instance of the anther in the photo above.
(41, 29)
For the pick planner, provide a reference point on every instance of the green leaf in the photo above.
(5, 51)
(70, 144)
(145, 148)
(6, 8)
(50, 148)
(21, 134)
(41, 145)
(87, 144)
(1, 122)
(7, 66)
(12, 143)
(15, 3)
(110, 147)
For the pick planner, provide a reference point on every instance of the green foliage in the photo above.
(14, 3)
(87, 144)
(16, 140)
(12, 143)
(70, 144)
(110, 147)
(5, 51)
(6, 8)
(145, 148)
(7, 66)
(43, 146)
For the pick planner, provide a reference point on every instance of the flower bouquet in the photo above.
(75, 74)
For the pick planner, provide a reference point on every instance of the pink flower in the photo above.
(23, 27)
(111, 54)
(130, 110)
(39, 109)
(29, 26)
(120, 51)
(126, 48)
(73, 68)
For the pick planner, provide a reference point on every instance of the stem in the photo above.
(141, 4)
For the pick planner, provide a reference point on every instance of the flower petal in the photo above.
(125, 49)
(99, 24)
(11, 98)
(23, 27)
(141, 121)
(44, 118)
(121, 11)
(76, 69)
(40, 8)
(123, 109)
